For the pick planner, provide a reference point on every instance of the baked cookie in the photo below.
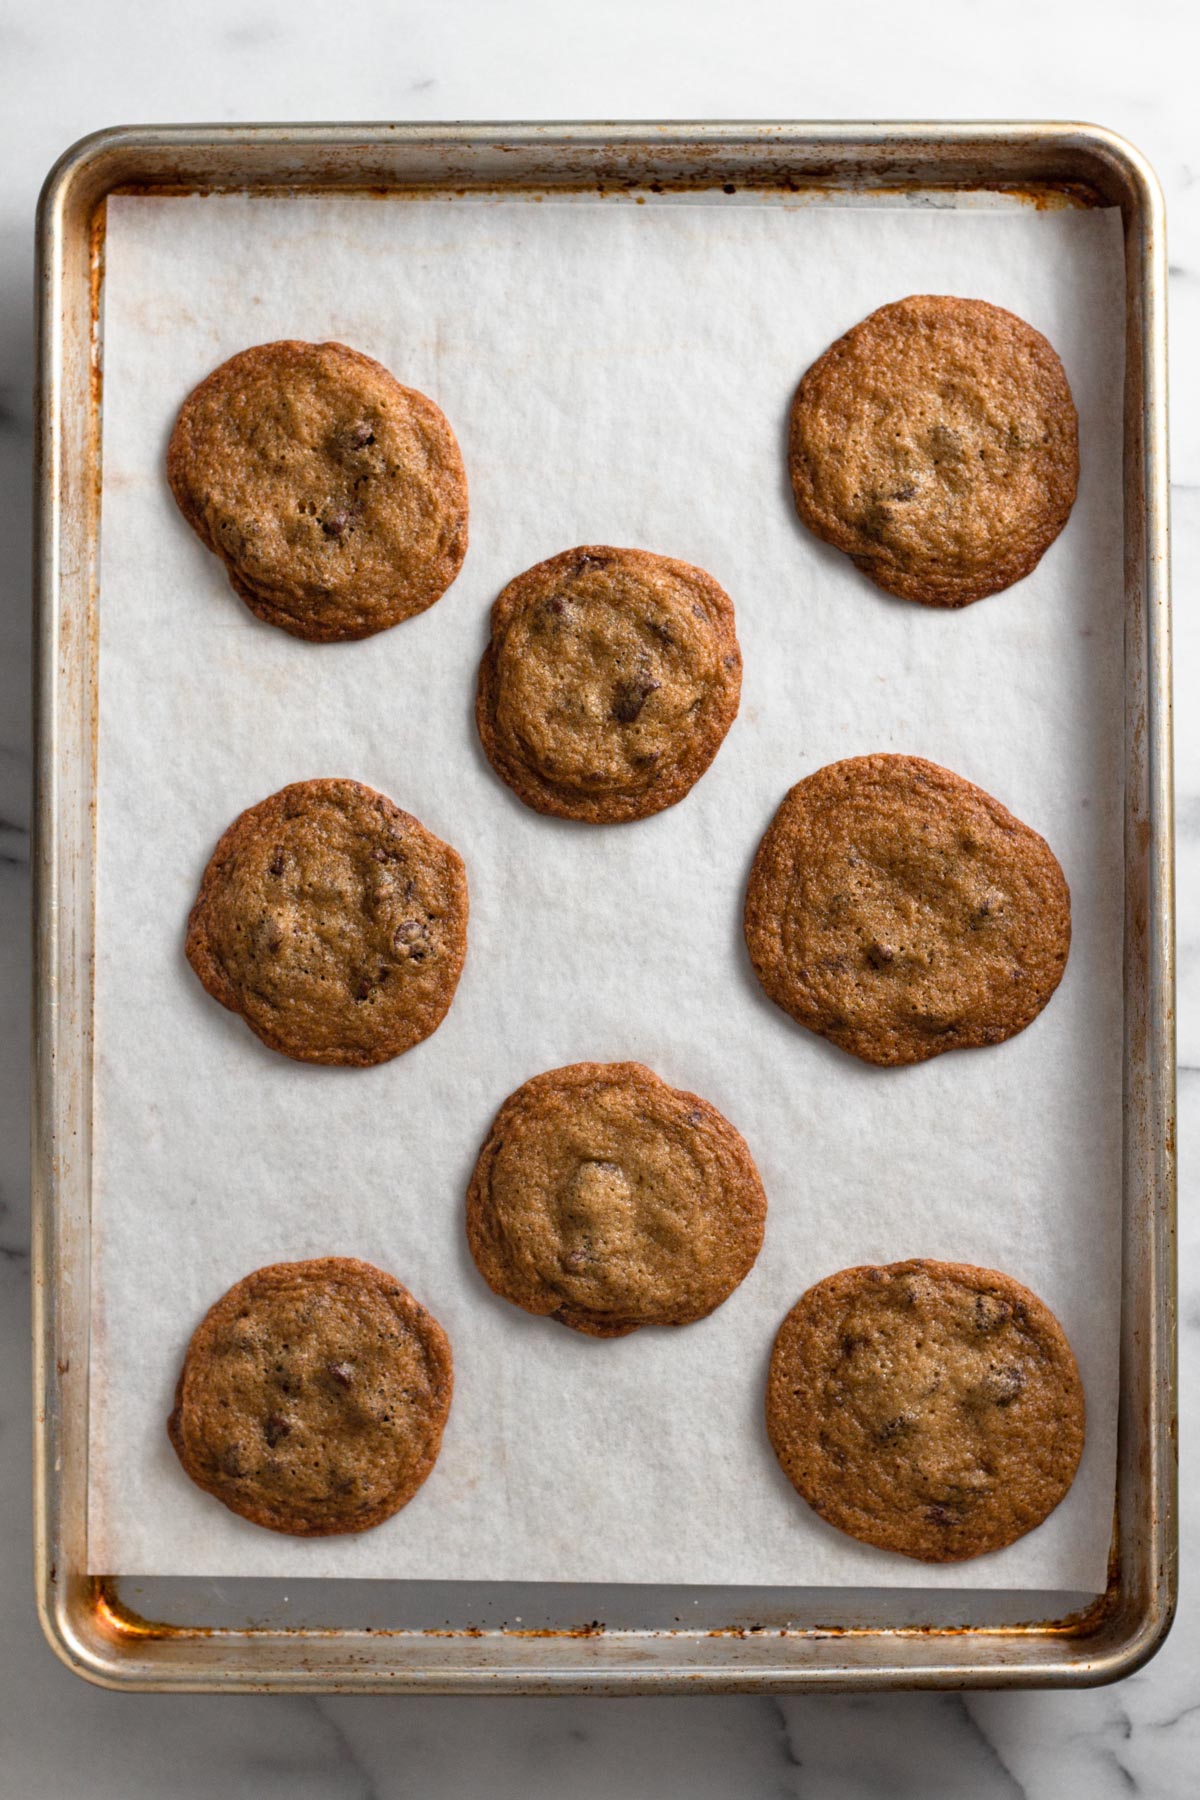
(937, 444)
(335, 497)
(609, 683)
(900, 911)
(926, 1407)
(334, 923)
(313, 1397)
(608, 1200)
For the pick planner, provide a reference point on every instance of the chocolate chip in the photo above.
(990, 1312)
(1003, 1385)
(591, 562)
(941, 1515)
(904, 493)
(276, 863)
(361, 436)
(363, 990)
(875, 520)
(945, 442)
(630, 697)
(555, 605)
(274, 1428)
(231, 1462)
(341, 1372)
(880, 955)
(336, 523)
(411, 939)
(660, 631)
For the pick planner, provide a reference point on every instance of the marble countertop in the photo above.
(67, 68)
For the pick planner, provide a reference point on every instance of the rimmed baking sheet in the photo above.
(617, 370)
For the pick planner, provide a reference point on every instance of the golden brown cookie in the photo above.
(335, 497)
(334, 923)
(900, 911)
(609, 683)
(313, 1397)
(937, 444)
(926, 1407)
(609, 1200)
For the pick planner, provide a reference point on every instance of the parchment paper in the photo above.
(616, 372)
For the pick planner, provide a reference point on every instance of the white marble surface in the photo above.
(69, 66)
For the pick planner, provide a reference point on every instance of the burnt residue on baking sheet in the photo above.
(96, 237)
(830, 185)
(119, 1620)
(1084, 1623)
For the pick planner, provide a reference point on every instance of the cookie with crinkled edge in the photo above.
(607, 1200)
(333, 922)
(313, 1397)
(937, 444)
(930, 1408)
(609, 683)
(335, 497)
(900, 911)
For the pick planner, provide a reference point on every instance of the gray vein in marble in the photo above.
(14, 845)
(13, 418)
(1013, 1788)
(778, 1713)
(1128, 1779)
(365, 1788)
(878, 1731)
(331, 1768)
(14, 1237)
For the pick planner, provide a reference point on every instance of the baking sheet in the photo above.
(615, 372)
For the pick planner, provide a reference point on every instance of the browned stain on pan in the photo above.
(1043, 196)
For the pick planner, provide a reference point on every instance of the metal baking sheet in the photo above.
(691, 159)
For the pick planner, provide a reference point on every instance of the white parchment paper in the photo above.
(616, 372)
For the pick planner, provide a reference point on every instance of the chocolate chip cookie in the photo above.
(608, 1200)
(313, 1397)
(926, 1407)
(609, 683)
(335, 497)
(900, 911)
(334, 923)
(937, 444)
